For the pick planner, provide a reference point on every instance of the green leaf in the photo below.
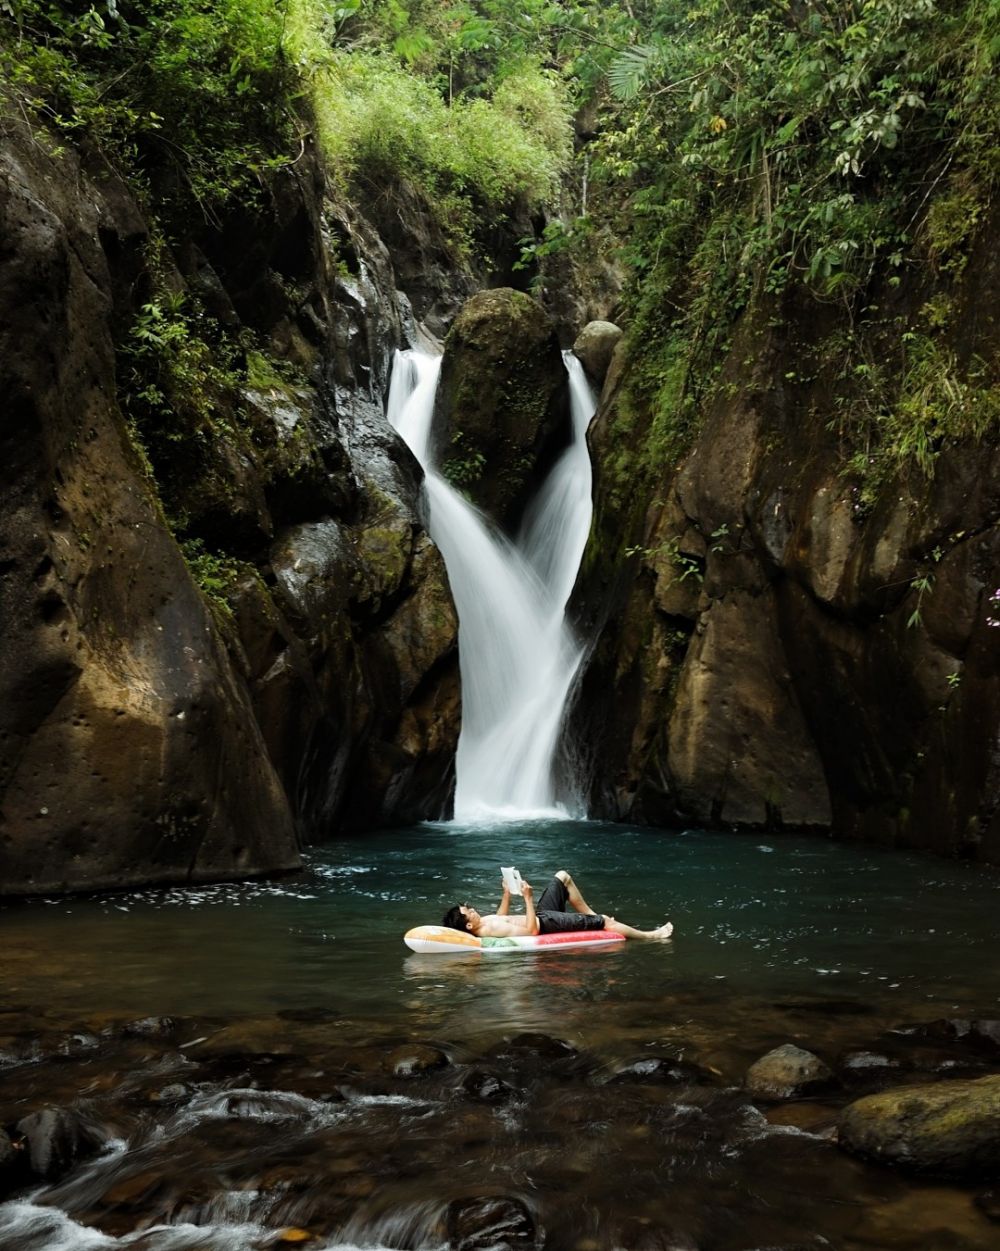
(631, 71)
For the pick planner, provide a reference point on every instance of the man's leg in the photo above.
(575, 898)
(663, 932)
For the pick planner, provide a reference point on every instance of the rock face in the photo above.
(773, 650)
(949, 1130)
(148, 733)
(129, 750)
(502, 409)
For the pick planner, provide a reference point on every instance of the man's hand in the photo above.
(528, 891)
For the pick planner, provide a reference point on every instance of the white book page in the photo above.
(512, 880)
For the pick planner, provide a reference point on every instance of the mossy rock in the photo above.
(502, 410)
(947, 1130)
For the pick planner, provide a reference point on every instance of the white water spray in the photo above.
(517, 654)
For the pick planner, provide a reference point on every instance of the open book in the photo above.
(512, 880)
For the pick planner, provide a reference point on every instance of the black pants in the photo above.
(554, 915)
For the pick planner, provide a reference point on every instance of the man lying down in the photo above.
(561, 909)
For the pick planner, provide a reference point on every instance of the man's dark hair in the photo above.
(454, 919)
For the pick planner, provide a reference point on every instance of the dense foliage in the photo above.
(840, 148)
(742, 151)
(203, 99)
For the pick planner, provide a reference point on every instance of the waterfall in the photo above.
(517, 654)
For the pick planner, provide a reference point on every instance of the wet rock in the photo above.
(868, 1066)
(56, 1138)
(77, 1044)
(490, 1222)
(151, 1027)
(981, 1036)
(8, 1155)
(661, 1070)
(644, 1236)
(947, 1130)
(415, 1061)
(787, 1072)
(531, 1046)
(486, 1088)
(173, 1095)
(594, 346)
(502, 410)
(131, 1194)
(989, 1204)
(308, 1016)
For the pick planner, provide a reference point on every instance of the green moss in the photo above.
(899, 423)
(951, 225)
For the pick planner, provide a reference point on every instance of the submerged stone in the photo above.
(150, 1027)
(486, 1088)
(534, 1046)
(415, 1061)
(489, 1222)
(663, 1071)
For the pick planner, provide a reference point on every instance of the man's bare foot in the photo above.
(664, 931)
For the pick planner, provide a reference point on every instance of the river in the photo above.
(322, 1078)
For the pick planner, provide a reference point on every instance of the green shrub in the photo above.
(380, 123)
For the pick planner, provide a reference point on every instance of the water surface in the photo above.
(764, 917)
(282, 1094)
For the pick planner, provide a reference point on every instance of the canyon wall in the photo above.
(164, 727)
(776, 646)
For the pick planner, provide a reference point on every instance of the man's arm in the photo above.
(504, 902)
(529, 907)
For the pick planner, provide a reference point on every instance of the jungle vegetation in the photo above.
(734, 151)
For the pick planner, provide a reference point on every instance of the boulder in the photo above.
(868, 1066)
(949, 1130)
(502, 410)
(595, 345)
(415, 1061)
(489, 1222)
(787, 1072)
(56, 1138)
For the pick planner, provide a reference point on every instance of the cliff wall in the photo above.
(782, 642)
(225, 629)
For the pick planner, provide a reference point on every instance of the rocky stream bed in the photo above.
(699, 1124)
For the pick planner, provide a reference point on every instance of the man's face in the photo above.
(472, 917)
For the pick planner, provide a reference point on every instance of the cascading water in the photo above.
(517, 654)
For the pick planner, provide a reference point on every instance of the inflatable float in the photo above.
(439, 938)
